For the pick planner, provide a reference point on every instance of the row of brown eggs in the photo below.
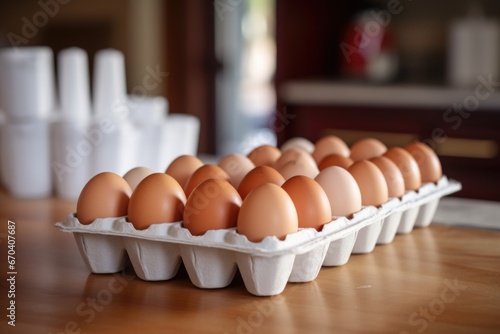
(270, 192)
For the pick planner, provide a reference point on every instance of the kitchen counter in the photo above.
(440, 279)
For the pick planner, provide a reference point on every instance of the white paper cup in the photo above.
(150, 139)
(25, 155)
(115, 146)
(71, 157)
(147, 109)
(148, 114)
(74, 90)
(27, 83)
(181, 137)
(110, 91)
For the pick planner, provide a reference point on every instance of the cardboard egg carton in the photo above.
(212, 259)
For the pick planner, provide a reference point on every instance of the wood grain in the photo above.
(434, 280)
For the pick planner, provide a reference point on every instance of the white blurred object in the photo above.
(115, 146)
(72, 150)
(25, 155)
(147, 109)
(474, 49)
(74, 90)
(162, 136)
(27, 95)
(116, 141)
(298, 142)
(181, 137)
(27, 83)
(258, 137)
(38, 146)
(148, 115)
(110, 92)
(468, 212)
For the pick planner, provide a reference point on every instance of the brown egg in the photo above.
(299, 167)
(293, 154)
(407, 165)
(392, 175)
(310, 200)
(267, 211)
(136, 175)
(258, 176)
(367, 148)
(341, 189)
(298, 143)
(427, 160)
(183, 167)
(203, 173)
(264, 155)
(105, 195)
(329, 145)
(236, 166)
(335, 160)
(371, 182)
(213, 205)
(157, 199)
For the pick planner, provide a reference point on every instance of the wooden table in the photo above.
(439, 279)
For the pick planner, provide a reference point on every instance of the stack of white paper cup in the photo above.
(149, 116)
(27, 82)
(116, 143)
(41, 149)
(27, 99)
(71, 146)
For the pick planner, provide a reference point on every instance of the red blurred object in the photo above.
(368, 49)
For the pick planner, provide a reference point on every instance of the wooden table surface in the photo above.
(438, 279)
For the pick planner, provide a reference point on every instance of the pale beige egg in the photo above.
(136, 175)
(299, 167)
(236, 166)
(293, 154)
(341, 189)
(298, 143)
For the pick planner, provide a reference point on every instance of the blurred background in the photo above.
(263, 71)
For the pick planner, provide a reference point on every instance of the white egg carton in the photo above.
(212, 259)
